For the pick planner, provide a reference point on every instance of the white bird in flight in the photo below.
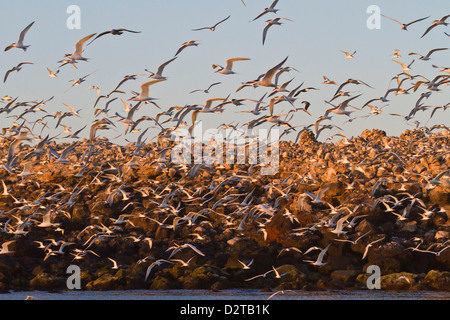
(271, 8)
(143, 96)
(76, 55)
(228, 67)
(19, 44)
(319, 261)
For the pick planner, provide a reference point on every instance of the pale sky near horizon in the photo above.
(312, 42)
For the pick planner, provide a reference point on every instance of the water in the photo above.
(234, 294)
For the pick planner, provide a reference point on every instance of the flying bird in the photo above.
(16, 68)
(158, 74)
(266, 79)
(114, 32)
(228, 66)
(19, 44)
(348, 55)
(191, 43)
(76, 55)
(207, 89)
(213, 28)
(404, 66)
(143, 96)
(52, 74)
(440, 22)
(270, 23)
(405, 25)
(271, 8)
(77, 82)
(427, 56)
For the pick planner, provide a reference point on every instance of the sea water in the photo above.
(234, 294)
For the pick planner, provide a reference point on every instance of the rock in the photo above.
(439, 196)
(399, 281)
(444, 258)
(441, 234)
(409, 226)
(439, 280)
(160, 283)
(344, 275)
(199, 278)
(79, 213)
(103, 283)
(172, 172)
(45, 281)
(278, 228)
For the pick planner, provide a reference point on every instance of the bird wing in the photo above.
(260, 15)
(200, 29)
(444, 18)
(161, 67)
(80, 43)
(437, 49)
(24, 32)
(180, 49)
(266, 28)
(145, 86)
(98, 36)
(128, 30)
(215, 83)
(274, 3)
(401, 63)
(229, 62)
(195, 249)
(9, 47)
(392, 19)
(410, 23)
(428, 30)
(7, 74)
(222, 21)
(270, 73)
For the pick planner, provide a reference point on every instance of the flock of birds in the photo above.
(57, 200)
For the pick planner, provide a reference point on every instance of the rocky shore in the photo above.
(131, 221)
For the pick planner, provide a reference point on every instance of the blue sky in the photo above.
(313, 42)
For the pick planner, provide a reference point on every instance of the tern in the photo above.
(319, 261)
(270, 23)
(370, 245)
(76, 55)
(404, 66)
(114, 32)
(207, 89)
(5, 249)
(213, 28)
(19, 44)
(271, 8)
(427, 56)
(406, 25)
(52, 74)
(191, 43)
(143, 96)
(266, 79)
(245, 266)
(440, 22)
(115, 266)
(349, 55)
(154, 264)
(317, 198)
(228, 66)
(16, 68)
(177, 248)
(158, 74)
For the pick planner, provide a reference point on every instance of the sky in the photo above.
(312, 42)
